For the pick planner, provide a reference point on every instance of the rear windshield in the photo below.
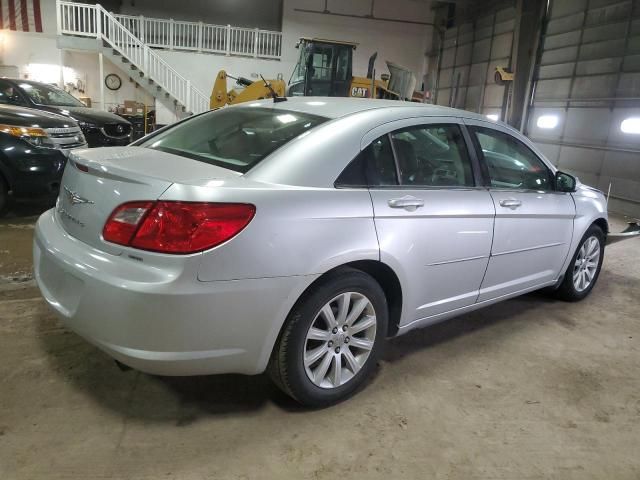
(233, 138)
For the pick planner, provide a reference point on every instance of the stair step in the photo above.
(133, 67)
(125, 60)
(115, 52)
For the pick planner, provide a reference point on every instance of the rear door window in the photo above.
(234, 138)
(432, 156)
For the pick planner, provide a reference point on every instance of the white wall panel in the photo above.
(589, 78)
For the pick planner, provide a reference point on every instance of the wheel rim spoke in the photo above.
(328, 315)
(317, 334)
(343, 307)
(362, 343)
(321, 371)
(589, 275)
(357, 309)
(333, 355)
(336, 373)
(363, 324)
(314, 355)
(351, 360)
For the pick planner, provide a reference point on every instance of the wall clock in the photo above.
(113, 81)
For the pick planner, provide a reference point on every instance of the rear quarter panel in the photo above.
(295, 231)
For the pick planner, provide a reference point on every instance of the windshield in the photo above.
(233, 138)
(42, 94)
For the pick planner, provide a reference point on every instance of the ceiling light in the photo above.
(631, 125)
(547, 121)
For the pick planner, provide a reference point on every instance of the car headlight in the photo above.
(36, 136)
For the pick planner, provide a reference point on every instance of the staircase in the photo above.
(120, 44)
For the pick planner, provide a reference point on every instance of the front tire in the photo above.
(584, 269)
(331, 340)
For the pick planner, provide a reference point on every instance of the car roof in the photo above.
(338, 107)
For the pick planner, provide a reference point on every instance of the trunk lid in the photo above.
(115, 175)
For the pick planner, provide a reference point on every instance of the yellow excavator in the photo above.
(324, 68)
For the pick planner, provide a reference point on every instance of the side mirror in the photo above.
(565, 182)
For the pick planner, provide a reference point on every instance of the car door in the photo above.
(433, 217)
(534, 222)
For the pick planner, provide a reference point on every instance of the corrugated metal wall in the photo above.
(588, 83)
(470, 53)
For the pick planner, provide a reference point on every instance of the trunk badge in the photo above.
(74, 198)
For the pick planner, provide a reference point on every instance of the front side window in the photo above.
(233, 138)
(42, 94)
(432, 156)
(511, 163)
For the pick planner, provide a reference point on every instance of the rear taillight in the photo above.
(176, 227)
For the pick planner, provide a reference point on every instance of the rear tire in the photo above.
(584, 269)
(331, 340)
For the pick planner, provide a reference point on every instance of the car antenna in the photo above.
(274, 95)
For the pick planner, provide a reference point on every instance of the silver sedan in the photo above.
(295, 236)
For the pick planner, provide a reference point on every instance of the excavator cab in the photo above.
(324, 68)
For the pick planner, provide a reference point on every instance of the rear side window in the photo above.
(234, 138)
(374, 166)
(432, 156)
(511, 163)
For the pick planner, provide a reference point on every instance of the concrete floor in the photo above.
(530, 388)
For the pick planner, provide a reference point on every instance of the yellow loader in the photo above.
(325, 69)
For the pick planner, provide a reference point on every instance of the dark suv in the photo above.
(101, 129)
(33, 151)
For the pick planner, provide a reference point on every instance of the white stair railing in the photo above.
(204, 37)
(95, 21)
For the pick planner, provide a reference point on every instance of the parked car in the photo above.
(295, 236)
(33, 150)
(101, 129)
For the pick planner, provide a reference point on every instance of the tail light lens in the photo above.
(176, 227)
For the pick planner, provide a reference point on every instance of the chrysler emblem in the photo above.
(74, 198)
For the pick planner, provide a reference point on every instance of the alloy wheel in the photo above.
(586, 264)
(339, 340)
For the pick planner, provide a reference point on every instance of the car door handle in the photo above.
(408, 203)
(510, 203)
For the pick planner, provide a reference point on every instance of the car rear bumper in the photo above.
(160, 321)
